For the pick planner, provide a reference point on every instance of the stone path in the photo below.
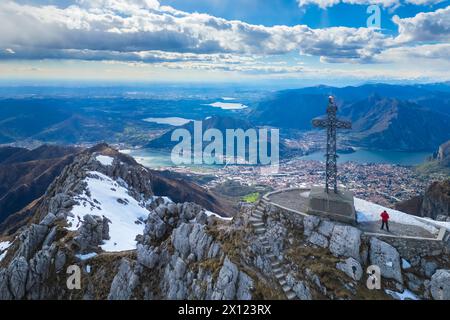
(396, 229)
(257, 222)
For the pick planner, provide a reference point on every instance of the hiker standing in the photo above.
(385, 220)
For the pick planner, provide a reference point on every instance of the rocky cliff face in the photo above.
(436, 201)
(443, 154)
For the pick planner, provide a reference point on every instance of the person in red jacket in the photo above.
(385, 220)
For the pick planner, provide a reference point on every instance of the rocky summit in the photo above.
(100, 232)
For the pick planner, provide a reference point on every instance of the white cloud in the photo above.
(423, 2)
(384, 3)
(143, 32)
(428, 51)
(425, 26)
(128, 29)
(9, 51)
(330, 3)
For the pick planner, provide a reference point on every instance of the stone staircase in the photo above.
(257, 222)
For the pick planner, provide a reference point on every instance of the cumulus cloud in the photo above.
(427, 51)
(143, 31)
(123, 29)
(425, 26)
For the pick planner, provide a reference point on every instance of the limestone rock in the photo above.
(326, 228)
(309, 224)
(225, 288)
(155, 228)
(48, 220)
(124, 282)
(387, 258)
(17, 274)
(302, 291)
(231, 283)
(352, 268)
(31, 239)
(91, 233)
(345, 241)
(147, 256)
(300, 288)
(440, 285)
(317, 239)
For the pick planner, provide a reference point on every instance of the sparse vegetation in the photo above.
(251, 198)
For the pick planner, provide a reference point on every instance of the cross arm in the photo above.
(342, 124)
(320, 123)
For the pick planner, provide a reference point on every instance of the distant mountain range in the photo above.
(391, 117)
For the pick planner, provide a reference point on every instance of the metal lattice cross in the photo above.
(331, 123)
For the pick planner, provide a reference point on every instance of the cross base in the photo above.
(338, 206)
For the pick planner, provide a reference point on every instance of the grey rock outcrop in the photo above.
(232, 283)
(124, 282)
(318, 239)
(92, 233)
(345, 241)
(352, 268)
(387, 258)
(440, 285)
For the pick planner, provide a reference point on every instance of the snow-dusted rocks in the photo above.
(345, 241)
(105, 160)
(92, 233)
(440, 285)
(352, 268)
(4, 245)
(387, 258)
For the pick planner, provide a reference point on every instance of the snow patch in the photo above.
(87, 256)
(105, 160)
(212, 214)
(4, 249)
(405, 264)
(110, 199)
(405, 295)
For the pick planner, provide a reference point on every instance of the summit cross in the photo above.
(331, 123)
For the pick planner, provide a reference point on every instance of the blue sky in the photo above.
(288, 12)
(299, 41)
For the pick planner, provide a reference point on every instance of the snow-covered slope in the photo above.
(368, 211)
(4, 249)
(108, 198)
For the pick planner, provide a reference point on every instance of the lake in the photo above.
(157, 158)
